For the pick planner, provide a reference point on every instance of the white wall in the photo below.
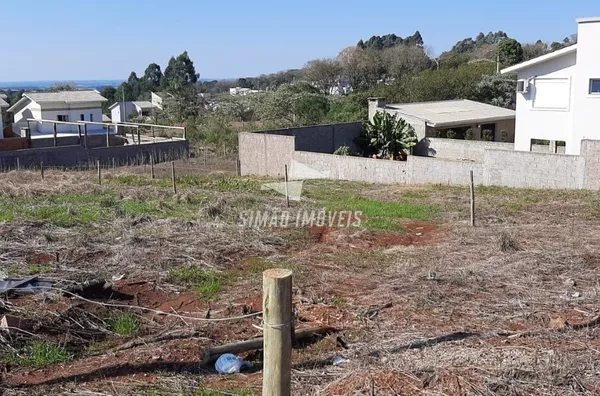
(116, 112)
(91, 112)
(586, 123)
(537, 114)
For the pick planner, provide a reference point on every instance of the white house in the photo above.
(66, 106)
(558, 94)
(140, 108)
(3, 107)
(157, 99)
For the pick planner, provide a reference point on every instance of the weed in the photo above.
(43, 353)
(125, 324)
(133, 180)
(339, 301)
(207, 283)
(508, 242)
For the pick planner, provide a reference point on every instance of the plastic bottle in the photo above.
(229, 364)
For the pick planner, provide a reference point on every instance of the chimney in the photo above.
(375, 105)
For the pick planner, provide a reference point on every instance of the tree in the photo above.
(510, 52)
(179, 73)
(387, 137)
(62, 86)
(323, 73)
(497, 90)
(403, 60)
(109, 93)
(531, 51)
(152, 78)
(362, 67)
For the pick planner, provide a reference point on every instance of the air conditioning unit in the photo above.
(522, 86)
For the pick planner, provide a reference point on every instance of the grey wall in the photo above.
(321, 138)
(533, 170)
(458, 149)
(93, 141)
(266, 155)
(307, 165)
(72, 156)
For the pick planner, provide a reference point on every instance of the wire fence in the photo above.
(199, 162)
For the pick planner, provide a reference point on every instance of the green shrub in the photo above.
(450, 134)
(343, 150)
(125, 324)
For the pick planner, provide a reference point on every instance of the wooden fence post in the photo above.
(85, 136)
(55, 135)
(277, 330)
(138, 135)
(79, 134)
(287, 195)
(152, 176)
(99, 174)
(108, 136)
(42, 169)
(18, 164)
(472, 200)
(173, 177)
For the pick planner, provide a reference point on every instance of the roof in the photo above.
(63, 97)
(162, 94)
(142, 104)
(588, 20)
(3, 103)
(3, 96)
(66, 96)
(540, 59)
(106, 118)
(450, 113)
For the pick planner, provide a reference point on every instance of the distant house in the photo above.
(129, 109)
(242, 91)
(3, 108)
(65, 106)
(430, 119)
(157, 99)
(558, 94)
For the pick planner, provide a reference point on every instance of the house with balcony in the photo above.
(558, 94)
(36, 109)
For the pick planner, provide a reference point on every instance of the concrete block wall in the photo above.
(322, 138)
(533, 170)
(307, 165)
(423, 170)
(73, 156)
(458, 149)
(590, 150)
(263, 154)
(93, 141)
(266, 155)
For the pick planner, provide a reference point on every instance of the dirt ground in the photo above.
(418, 304)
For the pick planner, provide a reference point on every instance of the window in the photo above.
(62, 118)
(552, 94)
(594, 86)
(82, 117)
(91, 117)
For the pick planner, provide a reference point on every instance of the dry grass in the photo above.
(490, 310)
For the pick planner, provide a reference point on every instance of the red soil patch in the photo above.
(41, 258)
(381, 382)
(415, 233)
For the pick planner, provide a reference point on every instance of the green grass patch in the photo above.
(125, 324)
(133, 180)
(207, 283)
(40, 354)
(64, 216)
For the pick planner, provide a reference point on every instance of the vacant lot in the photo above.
(418, 301)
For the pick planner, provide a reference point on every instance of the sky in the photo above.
(107, 39)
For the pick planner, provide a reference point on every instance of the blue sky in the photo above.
(107, 39)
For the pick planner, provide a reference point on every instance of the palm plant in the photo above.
(387, 137)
